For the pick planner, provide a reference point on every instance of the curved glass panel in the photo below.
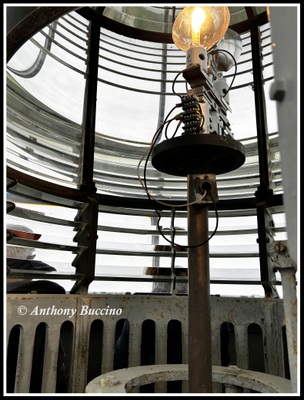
(126, 245)
(59, 84)
(138, 87)
(155, 19)
(160, 19)
(138, 83)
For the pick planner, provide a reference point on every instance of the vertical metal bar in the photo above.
(290, 310)
(108, 345)
(265, 242)
(260, 107)
(241, 345)
(135, 341)
(86, 167)
(87, 235)
(273, 357)
(80, 347)
(264, 192)
(185, 335)
(25, 359)
(161, 351)
(50, 361)
(163, 84)
(200, 360)
(285, 22)
(287, 268)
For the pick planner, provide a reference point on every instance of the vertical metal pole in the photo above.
(287, 268)
(86, 162)
(288, 275)
(87, 234)
(200, 359)
(264, 192)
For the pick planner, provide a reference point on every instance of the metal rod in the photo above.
(290, 310)
(86, 165)
(199, 346)
(288, 268)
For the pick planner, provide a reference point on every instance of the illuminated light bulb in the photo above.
(197, 19)
(200, 26)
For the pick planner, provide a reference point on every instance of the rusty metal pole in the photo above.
(199, 345)
(287, 267)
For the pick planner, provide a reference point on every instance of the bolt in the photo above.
(280, 248)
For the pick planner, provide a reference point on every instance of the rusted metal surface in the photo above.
(287, 268)
(125, 380)
(29, 311)
(200, 360)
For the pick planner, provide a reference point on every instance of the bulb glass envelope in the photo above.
(231, 46)
(200, 26)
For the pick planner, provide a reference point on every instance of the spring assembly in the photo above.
(191, 116)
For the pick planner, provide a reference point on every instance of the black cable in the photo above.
(175, 132)
(154, 140)
(215, 229)
(173, 251)
(201, 123)
(172, 243)
(174, 82)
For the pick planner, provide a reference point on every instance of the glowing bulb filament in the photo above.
(198, 17)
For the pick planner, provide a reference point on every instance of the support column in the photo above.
(200, 359)
(287, 268)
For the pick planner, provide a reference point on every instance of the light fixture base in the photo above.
(198, 154)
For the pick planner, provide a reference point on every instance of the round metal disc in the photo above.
(198, 154)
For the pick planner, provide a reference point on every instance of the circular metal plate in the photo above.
(198, 154)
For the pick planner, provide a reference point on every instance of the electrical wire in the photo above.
(174, 82)
(147, 154)
(175, 132)
(172, 243)
(144, 185)
(215, 229)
